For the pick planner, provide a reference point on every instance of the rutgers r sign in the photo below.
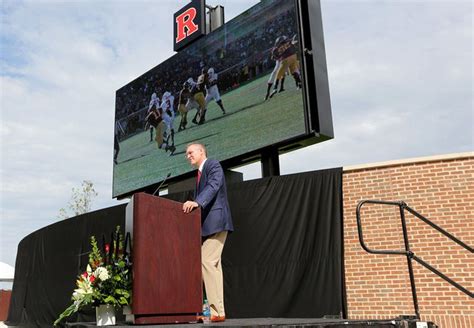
(189, 23)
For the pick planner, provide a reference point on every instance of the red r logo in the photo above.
(185, 25)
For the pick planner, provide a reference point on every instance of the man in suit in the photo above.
(216, 222)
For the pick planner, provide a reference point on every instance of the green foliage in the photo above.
(68, 312)
(95, 258)
(81, 200)
(107, 279)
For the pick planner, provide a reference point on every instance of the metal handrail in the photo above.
(407, 252)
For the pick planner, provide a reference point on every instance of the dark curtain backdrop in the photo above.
(283, 260)
(48, 262)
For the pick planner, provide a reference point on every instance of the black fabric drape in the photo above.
(48, 262)
(283, 260)
(285, 257)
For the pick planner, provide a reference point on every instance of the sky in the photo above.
(400, 78)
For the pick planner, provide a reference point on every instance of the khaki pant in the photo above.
(184, 113)
(182, 109)
(199, 97)
(290, 62)
(211, 251)
(159, 134)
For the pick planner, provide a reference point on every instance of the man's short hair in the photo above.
(197, 144)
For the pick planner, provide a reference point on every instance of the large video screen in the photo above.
(236, 90)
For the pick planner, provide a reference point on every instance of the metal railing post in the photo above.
(409, 255)
(407, 252)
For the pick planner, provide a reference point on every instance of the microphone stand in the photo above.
(161, 184)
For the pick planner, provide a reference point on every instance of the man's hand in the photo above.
(189, 206)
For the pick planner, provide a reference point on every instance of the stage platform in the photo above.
(281, 322)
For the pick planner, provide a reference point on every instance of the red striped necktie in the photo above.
(198, 176)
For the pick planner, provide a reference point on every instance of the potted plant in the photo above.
(106, 283)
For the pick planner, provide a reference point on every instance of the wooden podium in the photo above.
(166, 255)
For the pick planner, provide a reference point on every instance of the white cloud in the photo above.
(400, 76)
(63, 62)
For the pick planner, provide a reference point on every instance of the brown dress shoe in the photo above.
(217, 318)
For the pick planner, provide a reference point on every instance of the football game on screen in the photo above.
(236, 90)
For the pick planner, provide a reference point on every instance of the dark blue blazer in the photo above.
(211, 195)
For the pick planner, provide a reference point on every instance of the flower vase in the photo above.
(127, 312)
(105, 315)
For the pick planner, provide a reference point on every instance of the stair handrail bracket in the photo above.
(407, 252)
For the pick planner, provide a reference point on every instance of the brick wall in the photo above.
(5, 296)
(378, 286)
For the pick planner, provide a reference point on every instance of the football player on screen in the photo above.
(167, 106)
(285, 51)
(155, 119)
(212, 91)
(154, 102)
(198, 92)
(272, 78)
(116, 148)
(183, 101)
(192, 103)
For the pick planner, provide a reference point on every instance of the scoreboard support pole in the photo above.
(270, 162)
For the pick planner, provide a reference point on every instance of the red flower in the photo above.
(107, 248)
(92, 278)
(85, 274)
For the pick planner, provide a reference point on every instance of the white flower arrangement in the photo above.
(107, 279)
(101, 273)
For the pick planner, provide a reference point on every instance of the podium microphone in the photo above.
(161, 184)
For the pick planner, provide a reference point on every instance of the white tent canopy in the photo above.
(7, 272)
